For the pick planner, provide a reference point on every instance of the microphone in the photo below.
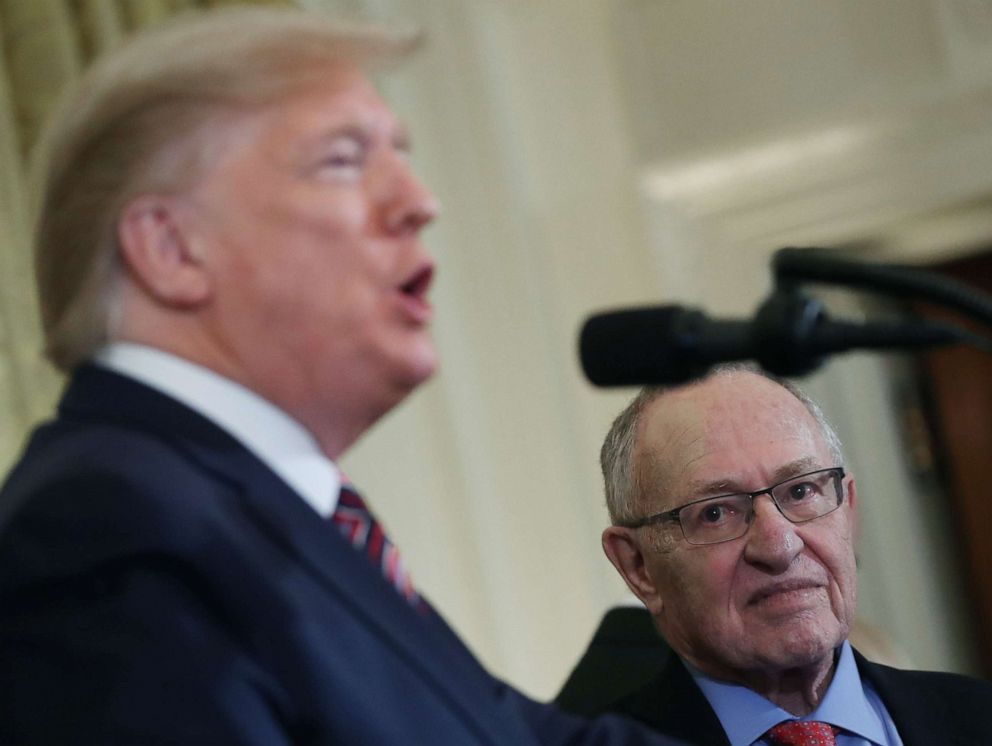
(789, 336)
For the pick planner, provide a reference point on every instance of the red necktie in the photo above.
(803, 733)
(360, 527)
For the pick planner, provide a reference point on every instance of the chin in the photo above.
(420, 364)
(426, 367)
(393, 369)
(407, 376)
(806, 647)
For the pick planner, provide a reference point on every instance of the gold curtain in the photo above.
(44, 44)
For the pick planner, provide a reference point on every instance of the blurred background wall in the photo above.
(621, 152)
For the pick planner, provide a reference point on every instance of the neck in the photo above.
(334, 420)
(797, 691)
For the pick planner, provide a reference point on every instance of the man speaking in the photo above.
(230, 271)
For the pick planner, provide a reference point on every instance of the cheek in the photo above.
(303, 211)
(848, 581)
(700, 584)
(329, 211)
(841, 548)
(834, 552)
(336, 245)
(324, 256)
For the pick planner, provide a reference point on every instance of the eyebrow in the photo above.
(400, 139)
(729, 485)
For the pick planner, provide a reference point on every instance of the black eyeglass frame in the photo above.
(674, 517)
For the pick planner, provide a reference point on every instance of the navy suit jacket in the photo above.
(928, 708)
(160, 585)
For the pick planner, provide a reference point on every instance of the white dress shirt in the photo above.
(281, 442)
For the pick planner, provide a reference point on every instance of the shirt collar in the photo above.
(745, 715)
(281, 442)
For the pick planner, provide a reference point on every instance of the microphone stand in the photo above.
(789, 326)
(792, 266)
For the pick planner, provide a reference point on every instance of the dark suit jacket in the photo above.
(927, 708)
(159, 584)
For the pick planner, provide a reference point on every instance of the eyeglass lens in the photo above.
(727, 517)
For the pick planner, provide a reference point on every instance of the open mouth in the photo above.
(413, 296)
(418, 285)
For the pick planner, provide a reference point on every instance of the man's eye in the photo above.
(713, 514)
(342, 160)
(344, 157)
(802, 491)
(351, 160)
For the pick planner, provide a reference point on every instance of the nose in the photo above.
(411, 205)
(772, 540)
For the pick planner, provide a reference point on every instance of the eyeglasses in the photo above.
(726, 517)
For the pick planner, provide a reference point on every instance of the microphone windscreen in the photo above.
(636, 347)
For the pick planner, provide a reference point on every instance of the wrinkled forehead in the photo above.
(732, 432)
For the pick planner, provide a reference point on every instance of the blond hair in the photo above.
(139, 121)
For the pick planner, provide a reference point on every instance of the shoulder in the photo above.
(84, 493)
(950, 686)
(929, 705)
(122, 556)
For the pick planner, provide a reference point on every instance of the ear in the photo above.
(624, 551)
(851, 498)
(158, 253)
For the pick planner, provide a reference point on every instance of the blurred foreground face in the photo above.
(781, 596)
(310, 215)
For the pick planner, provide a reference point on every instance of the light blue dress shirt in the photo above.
(850, 703)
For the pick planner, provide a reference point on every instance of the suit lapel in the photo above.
(920, 714)
(419, 638)
(423, 640)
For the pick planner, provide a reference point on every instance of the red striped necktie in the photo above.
(803, 733)
(360, 527)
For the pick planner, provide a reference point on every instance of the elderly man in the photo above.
(230, 270)
(733, 519)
